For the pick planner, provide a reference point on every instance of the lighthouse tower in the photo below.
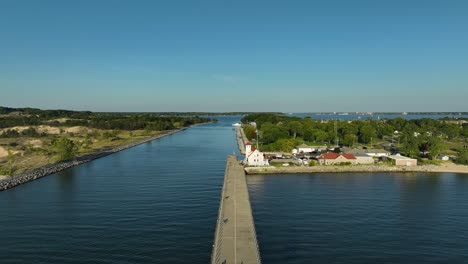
(248, 149)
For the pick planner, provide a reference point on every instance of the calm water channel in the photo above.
(361, 218)
(158, 202)
(155, 203)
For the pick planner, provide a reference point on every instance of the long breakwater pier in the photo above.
(241, 140)
(235, 239)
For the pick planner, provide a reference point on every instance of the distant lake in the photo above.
(354, 116)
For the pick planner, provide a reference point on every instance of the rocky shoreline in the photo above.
(356, 168)
(15, 180)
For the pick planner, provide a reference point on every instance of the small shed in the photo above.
(364, 159)
(444, 158)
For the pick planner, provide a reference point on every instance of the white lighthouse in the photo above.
(248, 148)
(253, 157)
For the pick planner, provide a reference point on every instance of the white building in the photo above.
(399, 160)
(253, 157)
(364, 159)
(304, 148)
(370, 152)
(444, 158)
(307, 149)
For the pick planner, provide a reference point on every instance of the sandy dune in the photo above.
(3, 152)
(78, 130)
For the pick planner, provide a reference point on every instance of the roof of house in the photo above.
(303, 146)
(253, 150)
(248, 143)
(362, 155)
(364, 151)
(399, 157)
(333, 155)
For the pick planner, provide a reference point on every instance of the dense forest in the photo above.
(415, 138)
(10, 117)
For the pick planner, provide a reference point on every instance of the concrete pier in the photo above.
(235, 239)
(241, 140)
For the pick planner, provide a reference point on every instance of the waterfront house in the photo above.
(364, 159)
(332, 158)
(369, 152)
(254, 157)
(399, 160)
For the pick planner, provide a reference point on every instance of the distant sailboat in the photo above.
(236, 124)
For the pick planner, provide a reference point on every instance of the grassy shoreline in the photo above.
(51, 168)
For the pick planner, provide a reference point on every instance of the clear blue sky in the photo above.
(291, 56)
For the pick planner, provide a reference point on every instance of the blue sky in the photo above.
(291, 56)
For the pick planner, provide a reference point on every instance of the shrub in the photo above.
(462, 157)
(65, 148)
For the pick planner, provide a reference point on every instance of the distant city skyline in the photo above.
(215, 56)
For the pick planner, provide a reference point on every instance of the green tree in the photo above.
(367, 133)
(348, 128)
(435, 147)
(462, 156)
(451, 130)
(295, 127)
(464, 131)
(308, 134)
(385, 129)
(286, 145)
(65, 148)
(320, 136)
(250, 132)
(271, 133)
(349, 140)
(410, 145)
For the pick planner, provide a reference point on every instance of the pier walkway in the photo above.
(235, 240)
(241, 140)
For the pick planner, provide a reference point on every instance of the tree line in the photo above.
(413, 137)
(121, 121)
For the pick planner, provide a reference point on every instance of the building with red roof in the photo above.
(332, 158)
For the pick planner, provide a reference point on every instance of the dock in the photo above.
(235, 239)
(241, 140)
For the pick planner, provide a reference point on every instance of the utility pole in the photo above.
(256, 132)
(336, 135)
